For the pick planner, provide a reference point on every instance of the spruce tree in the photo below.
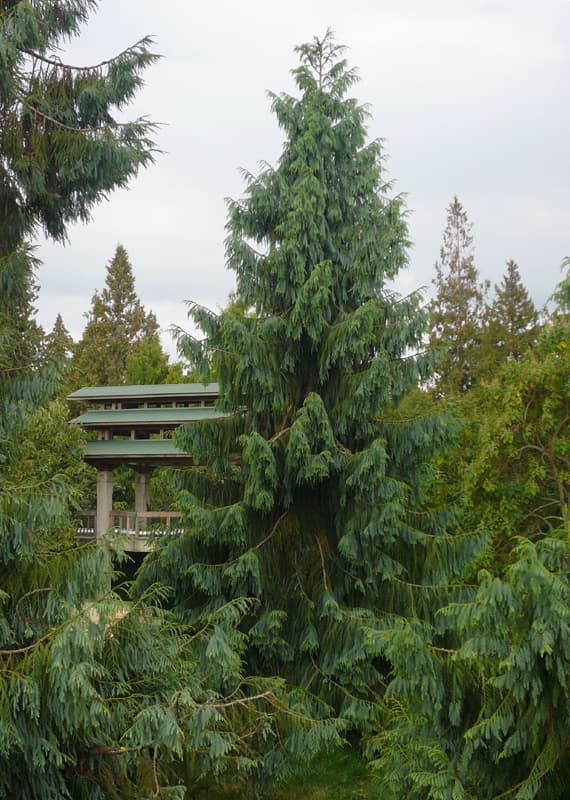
(117, 324)
(510, 321)
(310, 496)
(457, 311)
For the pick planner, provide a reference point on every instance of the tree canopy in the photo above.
(117, 326)
(310, 496)
(458, 307)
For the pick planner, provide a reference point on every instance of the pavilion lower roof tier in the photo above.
(109, 453)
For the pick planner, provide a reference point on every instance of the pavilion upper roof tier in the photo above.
(149, 396)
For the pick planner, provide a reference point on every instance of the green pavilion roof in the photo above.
(163, 391)
(155, 417)
(148, 452)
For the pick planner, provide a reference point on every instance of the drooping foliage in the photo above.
(99, 697)
(310, 497)
(66, 699)
(562, 294)
(62, 148)
(486, 716)
(482, 710)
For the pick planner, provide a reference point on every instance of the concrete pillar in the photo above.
(104, 500)
(142, 485)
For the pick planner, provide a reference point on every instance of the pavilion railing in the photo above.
(86, 525)
(145, 523)
(133, 523)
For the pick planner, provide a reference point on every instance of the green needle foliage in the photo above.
(487, 717)
(311, 497)
(61, 147)
(482, 711)
(100, 698)
(456, 323)
(511, 321)
(117, 326)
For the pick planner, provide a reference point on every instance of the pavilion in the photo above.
(134, 425)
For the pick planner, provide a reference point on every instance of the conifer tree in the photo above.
(61, 147)
(58, 345)
(457, 311)
(481, 710)
(148, 363)
(21, 337)
(562, 294)
(510, 321)
(65, 658)
(117, 324)
(310, 496)
(99, 697)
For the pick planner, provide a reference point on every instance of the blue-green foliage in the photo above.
(478, 702)
(487, 716)
(312, 499)
(100, 697)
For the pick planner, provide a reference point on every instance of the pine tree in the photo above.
(117, 324)
(310, 496)
(457, 310)
(510, 321)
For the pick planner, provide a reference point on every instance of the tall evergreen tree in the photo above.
(58, 345)
(457, 310)
(483, 711)
(99, 697)
(510, 321)
(61, 147)
(117, 324)
(310, 496)
(68, 648)
(21, 337)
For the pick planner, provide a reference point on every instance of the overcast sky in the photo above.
(471, 97)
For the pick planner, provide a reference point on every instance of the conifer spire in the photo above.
(309, 498)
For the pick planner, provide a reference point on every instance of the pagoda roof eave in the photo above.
(156, 392)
